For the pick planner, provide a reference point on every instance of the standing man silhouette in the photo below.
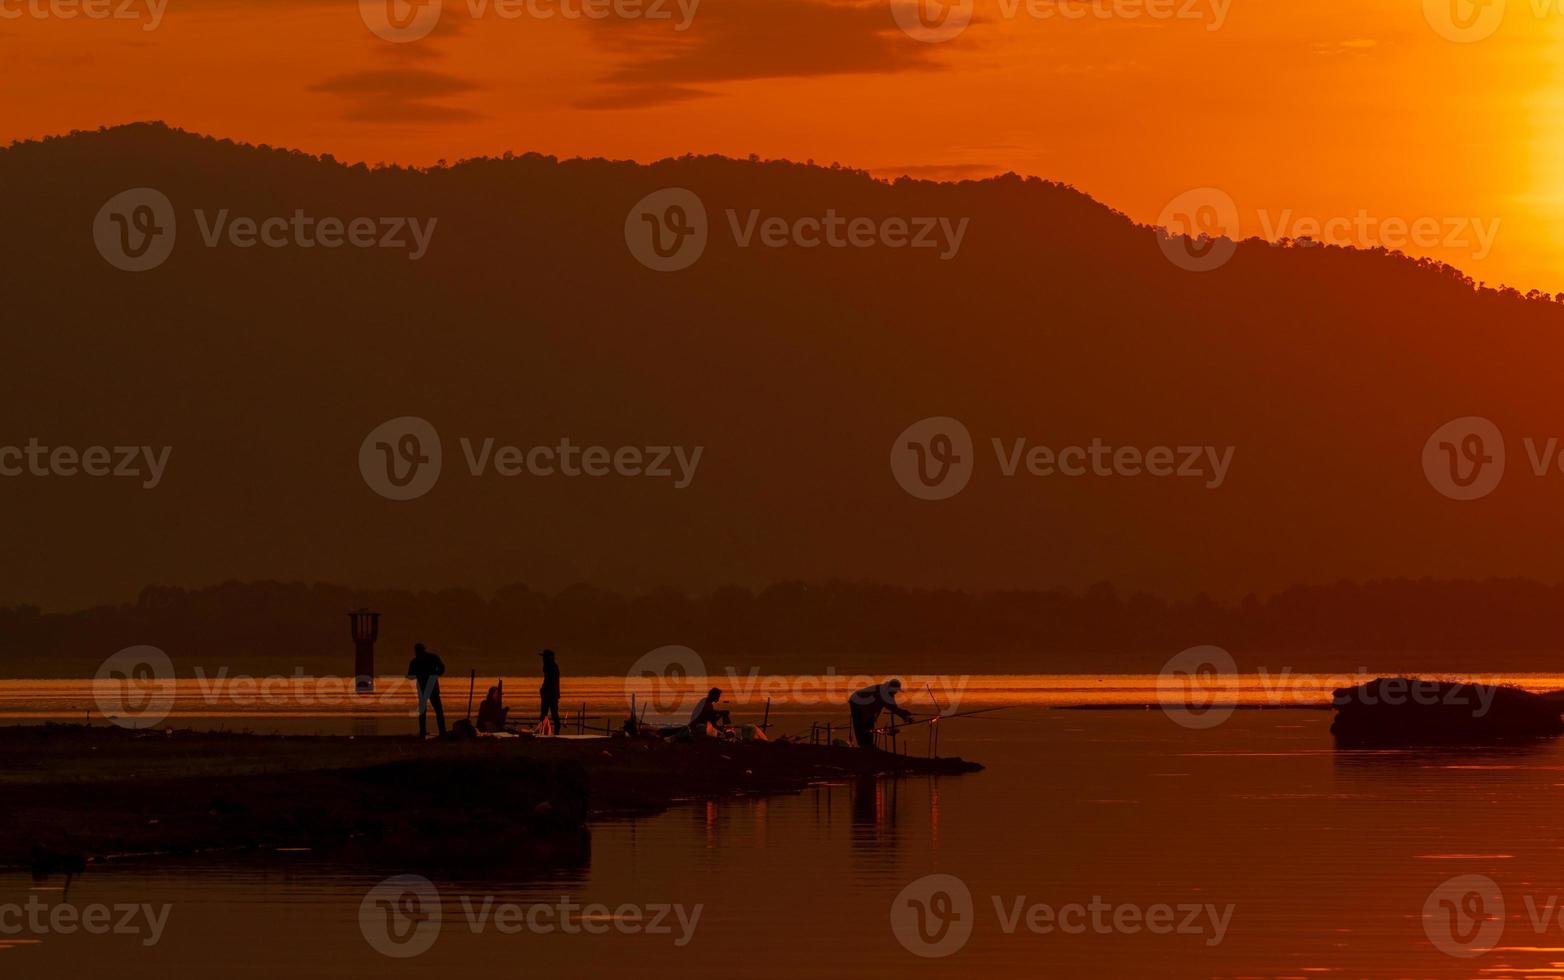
(549, 692)
(425, 669)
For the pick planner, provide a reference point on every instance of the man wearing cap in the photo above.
(866, 705)
(549, 692)
(425, 669)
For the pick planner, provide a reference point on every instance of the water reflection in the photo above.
(1328, 858)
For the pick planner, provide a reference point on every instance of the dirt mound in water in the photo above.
(1414, 711)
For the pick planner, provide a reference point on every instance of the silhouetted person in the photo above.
(866, 706)
(549, 692)
(492, 712)
(425, 669)
(707, 713)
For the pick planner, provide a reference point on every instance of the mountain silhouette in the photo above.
(528, 319)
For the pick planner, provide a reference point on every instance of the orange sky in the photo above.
(1377, 113)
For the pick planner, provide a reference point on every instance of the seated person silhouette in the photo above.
(707, 714)
(492, 712)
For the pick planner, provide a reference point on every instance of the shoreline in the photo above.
(81, 795)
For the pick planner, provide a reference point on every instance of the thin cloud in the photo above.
(744, 40)
(399, 95)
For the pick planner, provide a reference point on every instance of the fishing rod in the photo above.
(938, 718)
(939, 710)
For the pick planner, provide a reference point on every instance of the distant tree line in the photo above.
(274, 627)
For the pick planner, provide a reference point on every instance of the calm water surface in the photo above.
(1325, 859)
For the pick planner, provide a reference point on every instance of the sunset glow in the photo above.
(1376, 114)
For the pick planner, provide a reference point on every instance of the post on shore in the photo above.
(366, 630)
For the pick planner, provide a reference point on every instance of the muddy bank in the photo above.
(1402, 711)
(75, 794)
